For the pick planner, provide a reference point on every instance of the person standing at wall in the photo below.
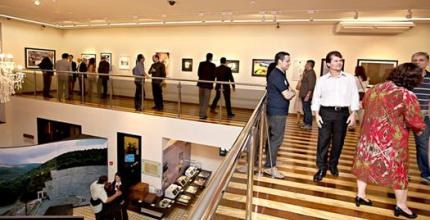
(307, 85)
(335, 95)
(422, 91)
(82, 77)
(46, 66)
(100, 197)
(139, 70)
(104, 69)
(72, 77)
(362, 83)
(91, 76)
(206, 71)
(157, 70)
(278, 102)
(63, 68)
(223, 73)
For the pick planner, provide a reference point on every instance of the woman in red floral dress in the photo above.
(382, 157)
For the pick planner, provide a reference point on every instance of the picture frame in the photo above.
(234, 65)
(377, 70)
(124, 63)
(33, 56)
(151, 168)
(324, 68)
(108, 57)
(88, 56)
(259, 67)
(187, 64)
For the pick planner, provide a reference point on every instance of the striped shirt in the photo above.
(422, 91)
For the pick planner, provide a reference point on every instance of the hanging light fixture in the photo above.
(11, 77)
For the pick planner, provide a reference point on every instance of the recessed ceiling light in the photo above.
(252, 2)
(36, 2)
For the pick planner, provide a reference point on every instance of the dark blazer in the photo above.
(206, 71)
(157, 70)
(83, 68)
(104, 68)
(45, 65)
(223, 73)
(308, 81)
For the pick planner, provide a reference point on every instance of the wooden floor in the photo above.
(188, 111)
(298, 197)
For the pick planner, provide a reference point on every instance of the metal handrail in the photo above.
(33, 71)
(207, 203)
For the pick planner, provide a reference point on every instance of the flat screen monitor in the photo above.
(129, 158)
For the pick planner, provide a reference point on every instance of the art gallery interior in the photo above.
(180, 166)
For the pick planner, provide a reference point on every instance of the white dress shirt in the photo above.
(336, 91)
(98, 192)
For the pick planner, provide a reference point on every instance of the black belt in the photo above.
(335, 108)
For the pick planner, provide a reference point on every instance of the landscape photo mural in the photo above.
(36, 178)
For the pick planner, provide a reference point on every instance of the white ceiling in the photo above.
(75, 12)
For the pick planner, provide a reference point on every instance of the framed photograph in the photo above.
(151, 168)
(124, 63)
(324, 67)
(108, 57)
(88, 56)
(259, 67)
(33, 56)
(187, 64)
(234, 65)
(377, 70)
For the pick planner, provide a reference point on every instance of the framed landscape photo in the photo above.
(259, 67)
(324, 67)
(377, 70)
(234, 65)
(33, 56)
(124, 62)
(187, 64)
(88, 56)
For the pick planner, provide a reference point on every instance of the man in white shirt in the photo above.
(99, 197)
(335, 95)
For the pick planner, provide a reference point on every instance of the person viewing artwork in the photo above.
(382, 156)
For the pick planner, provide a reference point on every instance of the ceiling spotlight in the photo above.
(36, 2)
(409, 14)
(355, 15)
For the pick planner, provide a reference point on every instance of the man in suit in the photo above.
(157, 70)
(223, 74)
(63, 68)
(104, 69)
(206, 71)
(72, 77)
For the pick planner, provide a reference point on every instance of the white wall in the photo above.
(207, 155)
(22, 113)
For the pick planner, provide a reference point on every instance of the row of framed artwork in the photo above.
(33, 56)
(376, 69)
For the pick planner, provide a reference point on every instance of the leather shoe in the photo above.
(334, 171)
(360, 201)
(319, 175)
(398, 211)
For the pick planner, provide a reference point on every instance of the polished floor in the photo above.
(187, 111)
(298, 197)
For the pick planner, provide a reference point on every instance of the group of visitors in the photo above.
(389, 110)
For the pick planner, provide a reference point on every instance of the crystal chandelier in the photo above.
(11, 77)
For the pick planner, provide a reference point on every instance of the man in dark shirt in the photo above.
(206, 71)
(307, 87)
(104, 69)
(278, 103)
(422, 91)
(72, 77)
(223, 74)
(82, 77)
(157, 70)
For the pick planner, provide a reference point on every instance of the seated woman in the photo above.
(382, 156)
